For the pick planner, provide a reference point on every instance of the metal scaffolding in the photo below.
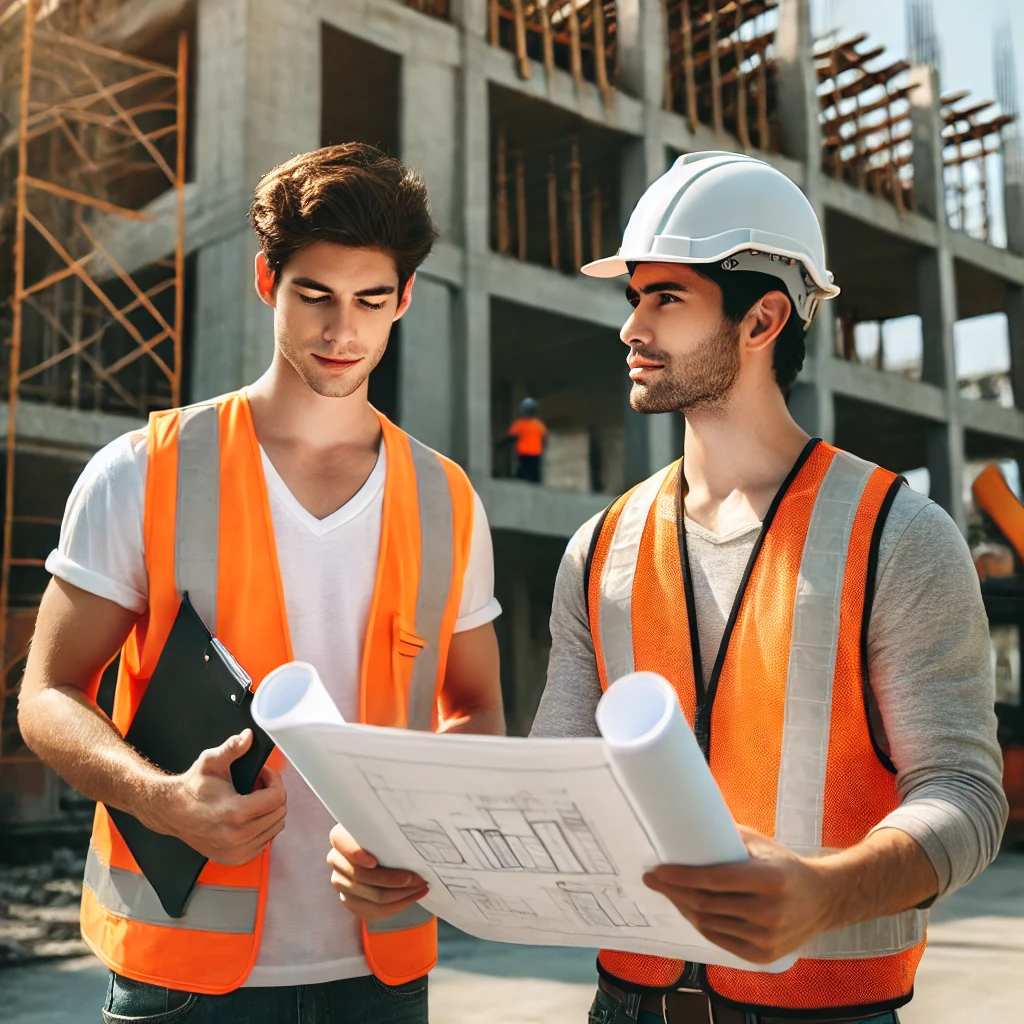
(100, 134)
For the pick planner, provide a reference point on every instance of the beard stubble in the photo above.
(700, 379)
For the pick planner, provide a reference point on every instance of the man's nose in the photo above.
(634, 332)
(339, 326)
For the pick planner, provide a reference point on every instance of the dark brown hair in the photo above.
(352, 195)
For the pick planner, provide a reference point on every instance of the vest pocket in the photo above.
(404, 639)
(406, 644)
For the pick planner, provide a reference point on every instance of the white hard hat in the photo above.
(733, 210)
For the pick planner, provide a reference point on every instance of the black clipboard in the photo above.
(197, 697)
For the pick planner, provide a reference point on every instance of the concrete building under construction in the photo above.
(133, 131)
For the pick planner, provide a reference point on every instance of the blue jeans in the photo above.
(354, 1001)
(607, 1009)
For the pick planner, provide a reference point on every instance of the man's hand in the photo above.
(202, 807)
(368, 890)
(760, 909)
(773, 903)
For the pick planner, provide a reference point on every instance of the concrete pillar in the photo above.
(926, 128)
(936, 296)
(649, 442)
(425, 384)
(944, 452)
(247, 121)
(936, 299)
(522, 647)
(1015, 327)
(1013, 210)
(428, 133)
(471, 442)
(797, 82)
(811, 402)
(642, 50)
(234, 330)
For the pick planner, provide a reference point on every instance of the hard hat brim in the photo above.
(616, 266)
(608, 267)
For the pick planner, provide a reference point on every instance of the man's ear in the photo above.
(403, 302)
(266, 283)
(766, 318)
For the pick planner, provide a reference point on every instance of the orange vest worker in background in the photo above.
(529, 433)
(336, 539)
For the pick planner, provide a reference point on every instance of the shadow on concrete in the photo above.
(462, 952)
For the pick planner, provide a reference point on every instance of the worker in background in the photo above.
(820, 621)
(529, 435)
(343, 542)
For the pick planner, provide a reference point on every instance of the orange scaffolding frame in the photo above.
(74, 91)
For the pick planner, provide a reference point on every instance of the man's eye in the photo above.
(373, 305)
(310, 301)
(666, 297)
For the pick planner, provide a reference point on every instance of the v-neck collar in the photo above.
(705, 694)
(359, 501)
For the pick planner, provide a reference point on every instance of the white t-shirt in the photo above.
(328, 570)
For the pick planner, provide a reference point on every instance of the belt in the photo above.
(693, 1007)
(680, 1007)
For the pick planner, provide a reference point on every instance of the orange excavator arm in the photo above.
(993, 495)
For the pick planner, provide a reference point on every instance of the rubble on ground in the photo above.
(39, 908)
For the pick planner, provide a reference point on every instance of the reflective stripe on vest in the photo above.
(437, 554)
(412, 917)
(616, 609)
(197, 517)
(197, 522)
(808, 699)
(212, 908)
(808, 714)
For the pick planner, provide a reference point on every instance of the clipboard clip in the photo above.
(231, 679)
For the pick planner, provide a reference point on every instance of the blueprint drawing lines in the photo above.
(602, 906)
(520, 832)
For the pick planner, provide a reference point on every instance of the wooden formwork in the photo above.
(720, 68)
(867, 137)
(98, 134)
(578, 36)
(435, 8)
(968, 140)
(547, 184)
(865, 118)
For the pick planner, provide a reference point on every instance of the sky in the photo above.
(966, 31)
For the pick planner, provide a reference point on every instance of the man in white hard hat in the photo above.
(821, 623)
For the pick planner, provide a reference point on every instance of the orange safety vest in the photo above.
(208, 530)
(529, 433)
(782, 719)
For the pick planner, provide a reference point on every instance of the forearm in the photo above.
(887, 873)
(76, 739)
(486, 720)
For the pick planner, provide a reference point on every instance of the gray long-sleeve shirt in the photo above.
(929, 663)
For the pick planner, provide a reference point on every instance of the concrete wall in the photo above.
(258, 101)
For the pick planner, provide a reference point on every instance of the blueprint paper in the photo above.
(521, 840)
(649, 743)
